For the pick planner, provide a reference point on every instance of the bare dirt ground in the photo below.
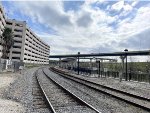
(7, 105)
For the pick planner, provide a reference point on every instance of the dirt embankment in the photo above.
(7, 105)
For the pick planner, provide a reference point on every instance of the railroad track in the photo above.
(135, 100)
(39, 100)
(60, 99)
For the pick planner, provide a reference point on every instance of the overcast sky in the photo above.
(87, 26)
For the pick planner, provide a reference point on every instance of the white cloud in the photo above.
(118, 6)
(85, 30)
(127, 7)
(46, 12)
(134, 3)
(136, 25)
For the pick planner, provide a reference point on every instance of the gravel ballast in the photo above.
(102, 102)
(20, 91)
(60, 99)
(16, 92)
(137, 88)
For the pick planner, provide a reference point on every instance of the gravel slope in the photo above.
(7, 105)
(20, 91)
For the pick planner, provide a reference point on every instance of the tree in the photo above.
(8, 41)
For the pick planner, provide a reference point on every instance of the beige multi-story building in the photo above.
(2, 25)
(28, 47)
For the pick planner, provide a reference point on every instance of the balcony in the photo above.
(18, 44)
(16, 55)
(19, 28)
(16, 49)
(17, 33)
(18, 38)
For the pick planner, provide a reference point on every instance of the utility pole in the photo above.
(120, 74)
(78, 62)
(126, 50)
(99, 66)
(59, 62)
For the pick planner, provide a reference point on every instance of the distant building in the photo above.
(28, 47)
(2, 25)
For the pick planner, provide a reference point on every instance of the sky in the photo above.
(89, 26)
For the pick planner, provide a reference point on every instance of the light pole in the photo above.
(121, 74)
(99, 66)
(126, 50)
(59, 62)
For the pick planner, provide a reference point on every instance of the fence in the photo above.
(8, 65)
(131, 76)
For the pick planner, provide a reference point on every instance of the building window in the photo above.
(15, 52)
(18, 36)
(30, 42)
(17, 41)
(19, 25)
(26, 44)
(27, 35)
(3, 23)
(17, 47)
(28, 30)
(16, 58)
(8, 23)
(17, 30)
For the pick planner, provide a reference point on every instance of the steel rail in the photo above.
(75, 96)
(119, 91)
(52, 108)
